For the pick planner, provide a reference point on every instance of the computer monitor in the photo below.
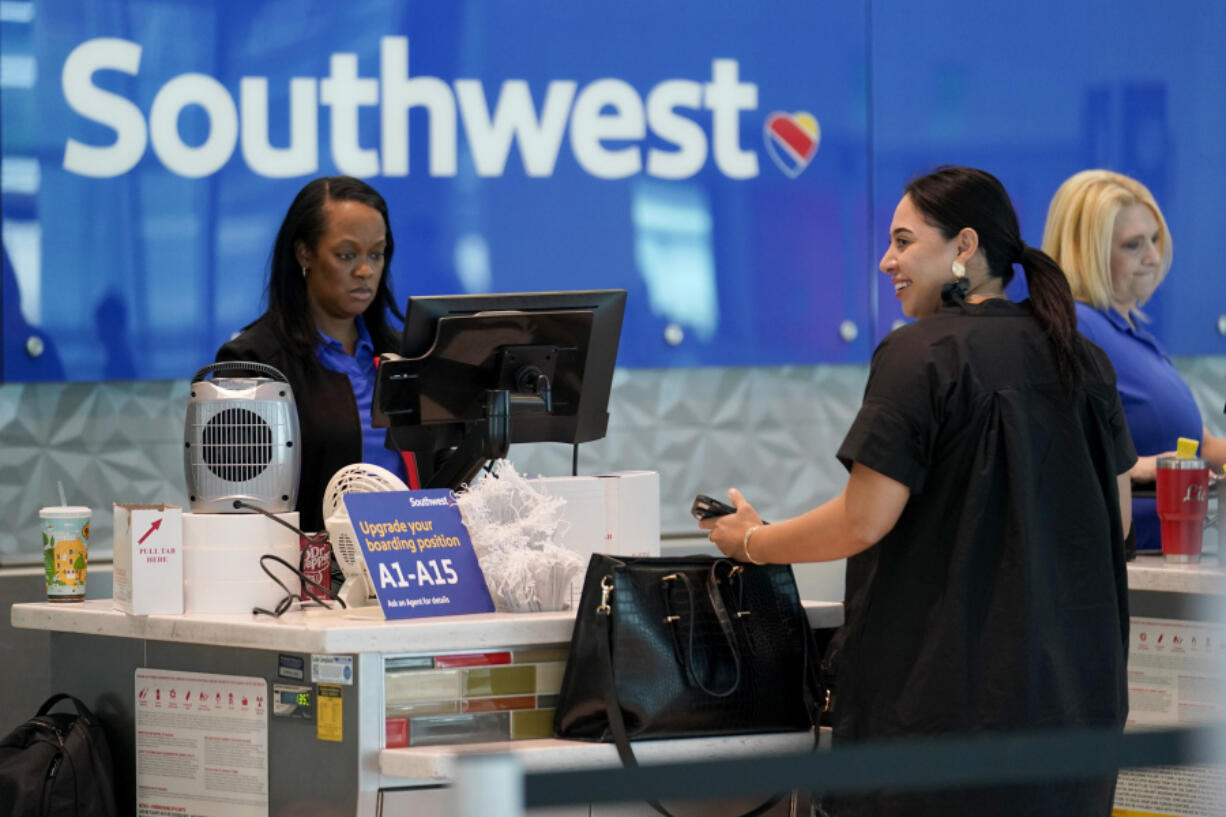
(476, 373)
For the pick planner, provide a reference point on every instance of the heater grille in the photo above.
(237, 445)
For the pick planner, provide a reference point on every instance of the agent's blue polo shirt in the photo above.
(1157, 402)
(360, 369)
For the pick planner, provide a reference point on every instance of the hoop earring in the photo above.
(305, 270)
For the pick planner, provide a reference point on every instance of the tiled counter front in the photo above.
(472, 697)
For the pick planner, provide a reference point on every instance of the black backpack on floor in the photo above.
(57, 764)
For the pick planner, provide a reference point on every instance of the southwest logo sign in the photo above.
(792, 140)
(672, 129)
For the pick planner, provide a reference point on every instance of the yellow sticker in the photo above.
(329, 713)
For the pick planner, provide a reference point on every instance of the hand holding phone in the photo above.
(706, 507)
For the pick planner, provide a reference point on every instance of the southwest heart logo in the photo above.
(791, 140)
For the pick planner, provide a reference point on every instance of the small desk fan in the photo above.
(358, 478)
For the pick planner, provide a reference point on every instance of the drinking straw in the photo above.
(63, 500)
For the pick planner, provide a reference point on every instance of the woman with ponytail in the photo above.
(984, 512)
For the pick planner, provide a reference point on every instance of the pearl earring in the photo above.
(961, 285)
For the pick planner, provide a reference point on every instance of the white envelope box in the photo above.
(148, 544)
(634, 502)
(585, 516)
(586, 519)
(617, 514)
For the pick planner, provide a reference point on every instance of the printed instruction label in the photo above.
(330, 713)
(1176, 677)
(1171, 791)
(1176, 672)
(201, 744)
(332, 669)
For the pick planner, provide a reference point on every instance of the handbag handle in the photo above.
(725, 625)
(817, 692)
(735, 571)
(82, 710)
(613, 709)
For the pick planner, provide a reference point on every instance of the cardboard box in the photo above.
(148, 559)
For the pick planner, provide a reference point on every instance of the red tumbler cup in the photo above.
(316, 562)
(1183, 501)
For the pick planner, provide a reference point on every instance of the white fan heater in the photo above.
(240, 439)
(359, 478)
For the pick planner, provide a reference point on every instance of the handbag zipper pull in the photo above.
(606, 590)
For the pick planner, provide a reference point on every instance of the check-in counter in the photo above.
(448, 677)
(1176, 677)
(473, 683)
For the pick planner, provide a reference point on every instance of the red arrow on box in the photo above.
(157, 523)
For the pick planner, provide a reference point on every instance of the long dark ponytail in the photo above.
(953, 198)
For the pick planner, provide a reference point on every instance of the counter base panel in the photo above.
(101, 671)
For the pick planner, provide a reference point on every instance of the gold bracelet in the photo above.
(745, 545)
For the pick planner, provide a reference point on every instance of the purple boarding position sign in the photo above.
(417, 550)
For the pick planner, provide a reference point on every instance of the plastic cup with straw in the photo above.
(65, 533)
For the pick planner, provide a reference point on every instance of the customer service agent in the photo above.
(326, 322)
(988, 474)
(1109, 236)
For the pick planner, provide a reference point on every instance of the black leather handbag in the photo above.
(691, 646)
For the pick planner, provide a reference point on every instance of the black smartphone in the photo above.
(706, 507)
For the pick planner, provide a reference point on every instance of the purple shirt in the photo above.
(360, 369)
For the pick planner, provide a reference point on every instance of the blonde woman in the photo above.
(1107, 233)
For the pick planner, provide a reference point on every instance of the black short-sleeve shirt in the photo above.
(999, 599)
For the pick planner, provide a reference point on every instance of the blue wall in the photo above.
(137, 226)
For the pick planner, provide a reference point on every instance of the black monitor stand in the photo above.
(528, 372)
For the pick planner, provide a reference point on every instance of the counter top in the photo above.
(437, 763)
(1150, 571)
(333, 631)
(364, 630)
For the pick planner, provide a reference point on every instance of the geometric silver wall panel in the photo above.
(771, 432)
(1207, 378)
(107, 442)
